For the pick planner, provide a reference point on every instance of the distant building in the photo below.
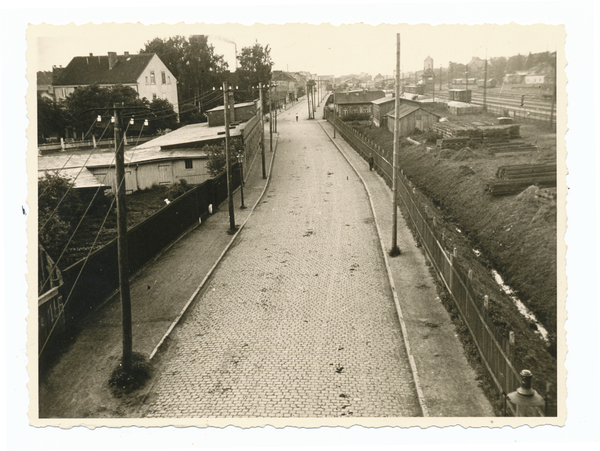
(44, 84)
(428, 63)
(380, 108)
(145, 73)
(285, 90)
(356, 102)
(241, 112)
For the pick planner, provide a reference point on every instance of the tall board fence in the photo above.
(89, 282)
(495, 350)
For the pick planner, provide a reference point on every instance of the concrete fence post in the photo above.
(486, 306)
(511, 346)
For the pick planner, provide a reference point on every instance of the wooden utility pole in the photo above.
(270, 119)
(122, 255)
(395, 250)
(227, 162)
(262, 131)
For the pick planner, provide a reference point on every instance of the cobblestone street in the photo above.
(298, 319)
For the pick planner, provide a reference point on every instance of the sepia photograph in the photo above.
(296, 223)
(218, 238)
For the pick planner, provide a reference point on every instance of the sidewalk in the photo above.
(77, 386)
(448, 382)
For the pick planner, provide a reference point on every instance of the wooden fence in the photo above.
(496, 352)
(86, 284)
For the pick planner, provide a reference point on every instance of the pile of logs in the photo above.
(455, 129)
(509, 149)
(516, 178)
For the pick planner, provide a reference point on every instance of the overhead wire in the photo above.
(87, 257)
(84, 214)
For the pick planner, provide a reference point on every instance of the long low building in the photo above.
(165, 160)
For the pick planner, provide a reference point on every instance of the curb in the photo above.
(212, 269)
(411, 359)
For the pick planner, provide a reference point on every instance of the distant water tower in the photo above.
(428, 63)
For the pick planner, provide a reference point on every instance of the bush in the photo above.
(177, 189)
(59, 206)
(216, 156)
(356, 117)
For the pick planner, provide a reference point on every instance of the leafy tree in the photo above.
(51, 117)
(163, 115)
(58, 206)
(196, 67)
(216, 156)
(85, 104)
(497, 68)
(255, 66)
(515, 63)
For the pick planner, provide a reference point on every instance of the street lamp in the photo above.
(240, 159)
(525, 398)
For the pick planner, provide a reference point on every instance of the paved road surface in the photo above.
(298, 320)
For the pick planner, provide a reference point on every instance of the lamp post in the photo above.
(240, 159)
(526, 398)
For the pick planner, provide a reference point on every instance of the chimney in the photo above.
(126, 53)
(91, 54)
(112, 60)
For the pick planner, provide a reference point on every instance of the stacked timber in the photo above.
(453, 143)
(518, 171)
(455, 129)
(510, 149)
(516, 178)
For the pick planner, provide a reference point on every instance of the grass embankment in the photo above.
(516, 235)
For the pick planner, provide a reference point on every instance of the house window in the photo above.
(146, 79)
(153, 96)
(152, 78)
(169, 78)
(163, 77)
(344, 111)
(189, 164)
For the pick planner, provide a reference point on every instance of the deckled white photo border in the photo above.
(322, 14)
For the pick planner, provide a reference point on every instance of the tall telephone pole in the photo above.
(122, 255)
(262, 131)
(394, 251)
(227, 162)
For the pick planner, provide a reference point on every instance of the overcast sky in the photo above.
(322, 49)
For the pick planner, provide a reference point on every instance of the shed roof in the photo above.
(405, 110)
(383, 100)
(88, 70)
(81, 177)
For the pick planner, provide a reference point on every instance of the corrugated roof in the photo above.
(236, 105)
(383, 100)
(342, 98)
(406, 109)
(88, 70)
(81, 176)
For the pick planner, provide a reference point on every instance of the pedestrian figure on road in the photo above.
(296, 117)
(371, 161)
